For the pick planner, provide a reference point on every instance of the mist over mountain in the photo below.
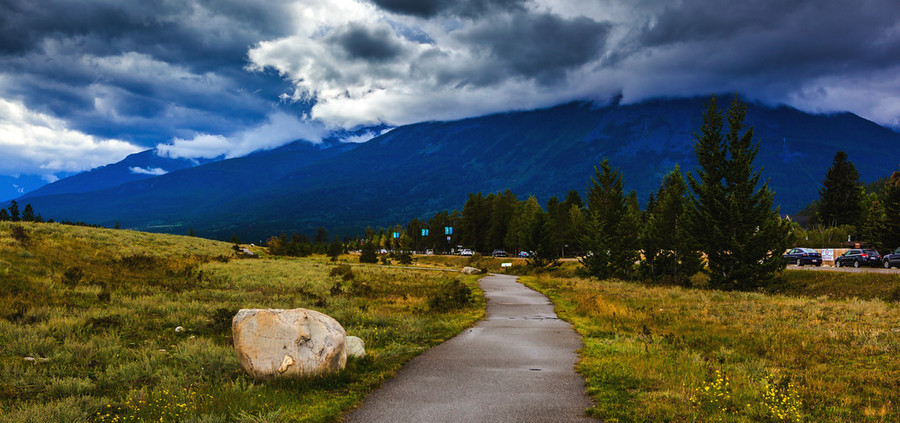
(417, 170)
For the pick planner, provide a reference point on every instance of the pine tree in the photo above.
(13, 211)
(669, 253)
(611, 232)
(841, 195)
(874, 226)
(733, 221)
(891, 201)
(28, 214)
(367, 253)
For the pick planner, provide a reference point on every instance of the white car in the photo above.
(466, 252)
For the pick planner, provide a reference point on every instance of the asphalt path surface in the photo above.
(516, 365)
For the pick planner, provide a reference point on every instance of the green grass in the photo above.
(864, 285)
(96, 310)
(691, 355)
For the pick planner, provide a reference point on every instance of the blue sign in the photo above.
(448, 230)
(396, 234)
(424, 232)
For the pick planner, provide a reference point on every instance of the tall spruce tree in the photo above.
(670, 254)
(841, 195)
(13, 211)
(28, 213)
(611, 227)
(733, 220)
(891, 202)
(3, 215)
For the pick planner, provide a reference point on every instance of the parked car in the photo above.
(891, 260)
(499, 253)
(524, 254)
(801, 256)
(429, 252)
(857, 258)
(466, 252)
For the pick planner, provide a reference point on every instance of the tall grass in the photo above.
(672, 354)
(88, 318)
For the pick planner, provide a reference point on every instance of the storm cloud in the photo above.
(212, 78)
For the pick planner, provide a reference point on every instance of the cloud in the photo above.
(36, 143)
(156, 171)
(279, 129)
(402, 61)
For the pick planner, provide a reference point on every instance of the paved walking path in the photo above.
(516, 365)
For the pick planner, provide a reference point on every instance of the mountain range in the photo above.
(419, 169)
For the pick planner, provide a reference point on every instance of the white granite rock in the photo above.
(355, 347)
(288, 343)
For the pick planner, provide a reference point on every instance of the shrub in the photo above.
(344, 271)
(18, 233)
(403, 257)
(72, 276)
(450, 296)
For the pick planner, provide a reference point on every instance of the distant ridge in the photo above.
(416, 170)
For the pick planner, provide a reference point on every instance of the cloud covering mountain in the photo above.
(87, 83)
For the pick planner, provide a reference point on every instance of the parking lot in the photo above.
(830, 268)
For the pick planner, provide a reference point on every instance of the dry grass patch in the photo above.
(672, 354)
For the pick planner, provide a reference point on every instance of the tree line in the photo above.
(724, 213)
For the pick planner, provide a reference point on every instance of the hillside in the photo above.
(416, 170)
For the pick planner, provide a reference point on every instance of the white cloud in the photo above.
(279, 129)
(39, 144)
(358, 64)
(156, 171)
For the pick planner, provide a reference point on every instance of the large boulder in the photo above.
(468, 270)
(288, 343)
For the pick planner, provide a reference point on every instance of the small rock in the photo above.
(470, 270)
(28, 358)
(179, 329)
(354, 346)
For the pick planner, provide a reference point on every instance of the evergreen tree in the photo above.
(4, 216)
(841, 195)
(503, 208)
(669, 253)
(191, 231)
(610, 237)
(475, 222)
(732, 220)
(891, 201)
(13, 211)
(335, 249)
(28, 214)
(321, 236)
(367, 253)
(874, 226)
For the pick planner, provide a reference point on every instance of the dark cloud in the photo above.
(72, 59)
(461, 8)
(539, 46)
(374, 44)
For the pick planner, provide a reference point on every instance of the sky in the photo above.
(85, 83)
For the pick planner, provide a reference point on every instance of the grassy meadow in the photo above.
(655, 354)
(88, 323)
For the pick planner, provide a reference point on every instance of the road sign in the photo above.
(424, 232)
(448, 230)
(396, 235)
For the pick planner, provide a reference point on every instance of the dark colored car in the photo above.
(499, 253)
(891, 260)
(857, 258)
(802, 256)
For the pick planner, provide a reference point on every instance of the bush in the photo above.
(450, 296)
(72, 276)
(344, 271)
(403, 257)
(367, 254)
(18, 233)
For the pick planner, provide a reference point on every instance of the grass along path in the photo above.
(671, 354)
(87, 329)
